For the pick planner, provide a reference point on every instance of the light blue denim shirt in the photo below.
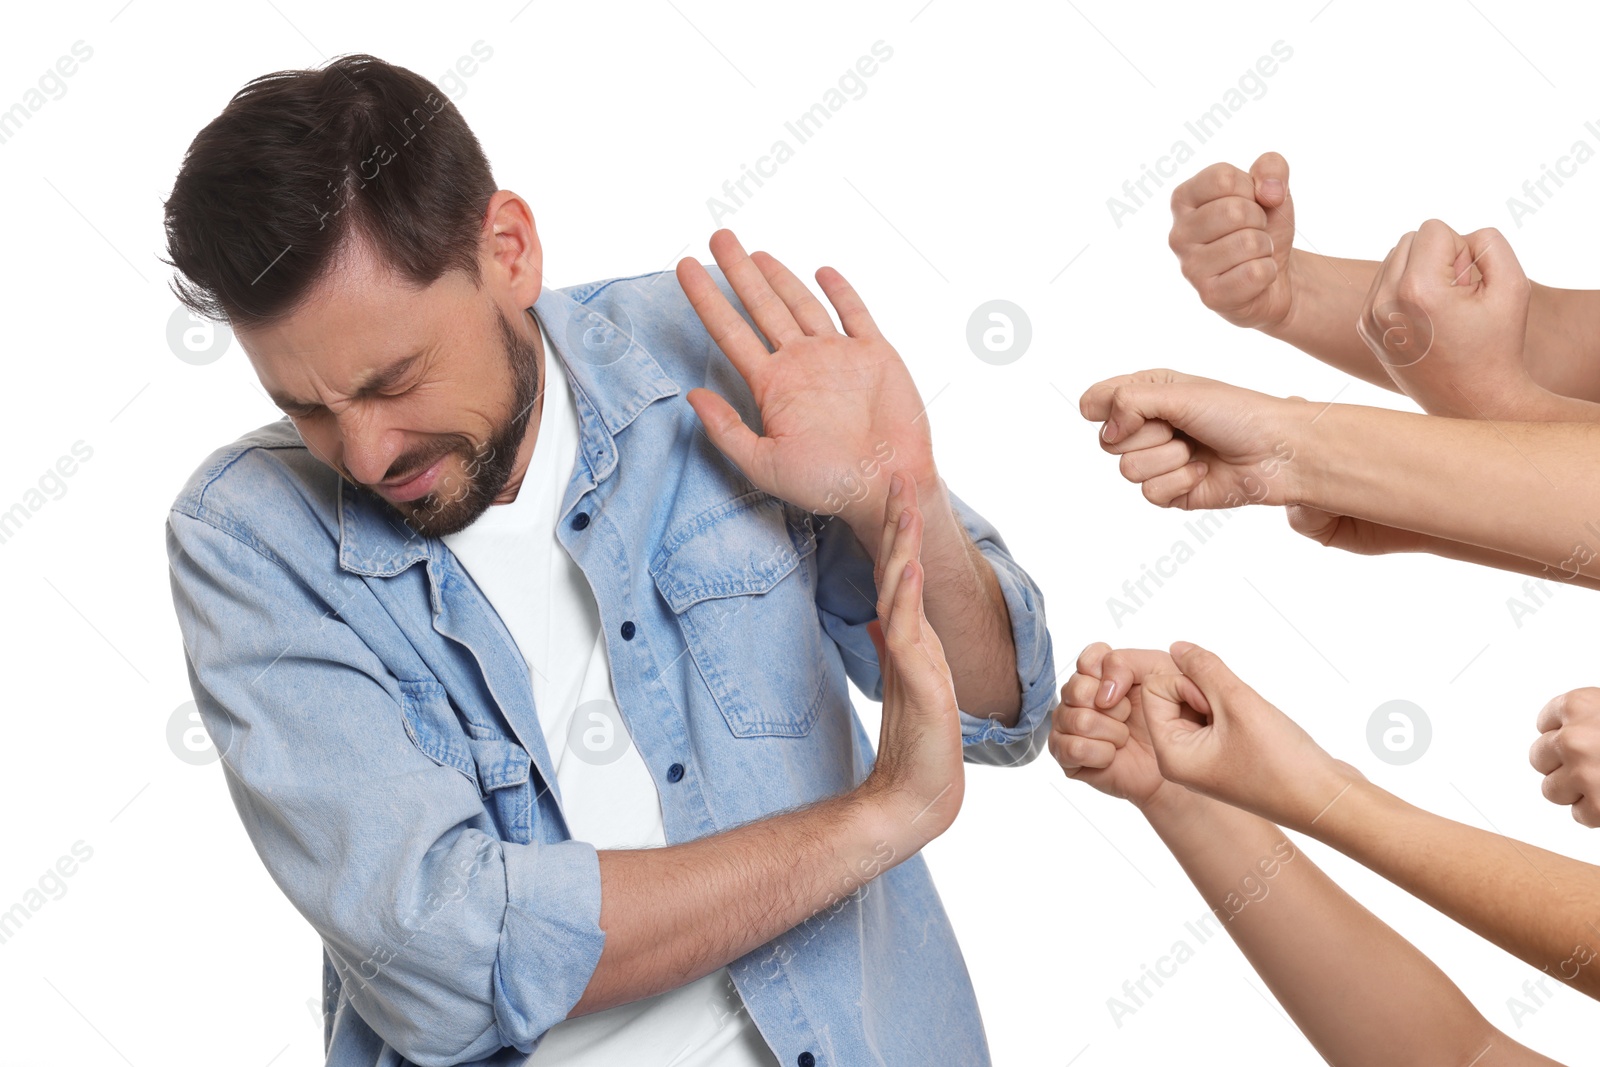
(381, 745)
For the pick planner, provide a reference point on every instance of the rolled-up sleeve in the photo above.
(451, 943)
(846, 593)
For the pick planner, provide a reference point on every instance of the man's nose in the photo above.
(370, 448)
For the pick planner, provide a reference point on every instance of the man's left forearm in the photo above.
(965, 606)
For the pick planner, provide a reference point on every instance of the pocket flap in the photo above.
(737, 548)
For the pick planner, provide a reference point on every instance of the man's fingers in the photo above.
(907, 548)
(807, 310)
(729, 433)
(852, 310)
(772, 315)
(893, 508)
(726, 326)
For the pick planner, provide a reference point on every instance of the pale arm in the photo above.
(1362, 994)
(1539, 906)
(1562, 349)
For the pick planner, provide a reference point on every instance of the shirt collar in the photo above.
(613, 379)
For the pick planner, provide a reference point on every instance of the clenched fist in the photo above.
(1232, 232)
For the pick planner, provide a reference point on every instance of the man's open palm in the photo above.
(836, 408)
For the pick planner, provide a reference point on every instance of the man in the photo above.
(532, 702)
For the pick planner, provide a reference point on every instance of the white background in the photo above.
(976, 166)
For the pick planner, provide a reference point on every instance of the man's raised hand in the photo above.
(838, 410)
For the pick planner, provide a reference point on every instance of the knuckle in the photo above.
(1091, 655)
(1236, 212)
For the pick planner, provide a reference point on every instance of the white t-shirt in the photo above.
(607, 795)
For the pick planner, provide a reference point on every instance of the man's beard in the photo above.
(456, 504)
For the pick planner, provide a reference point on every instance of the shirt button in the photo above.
(807, 1060)
(628, 630)
(580, 521)
(675, 773)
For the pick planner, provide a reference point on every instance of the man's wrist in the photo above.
(866, 519)
(886, 821)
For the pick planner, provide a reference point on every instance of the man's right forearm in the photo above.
(675, 914)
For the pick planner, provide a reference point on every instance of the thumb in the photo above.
(1492, 254)
(1271, 175)
(1209, 674)
(727, 431)
(1162, 699)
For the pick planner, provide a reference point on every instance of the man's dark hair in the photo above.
(301, 162)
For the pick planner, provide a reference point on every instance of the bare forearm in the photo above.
(1562, 349)
(1541, 907)
(967, 610)
(1361, 993)
(1404, 470)
(1563, 346)
(1329, 295)
(1365, 538)
(675, 914)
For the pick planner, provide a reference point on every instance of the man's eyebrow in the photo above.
(376, 381)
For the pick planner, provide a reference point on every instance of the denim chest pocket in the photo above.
(739, 579)
(498, 767)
